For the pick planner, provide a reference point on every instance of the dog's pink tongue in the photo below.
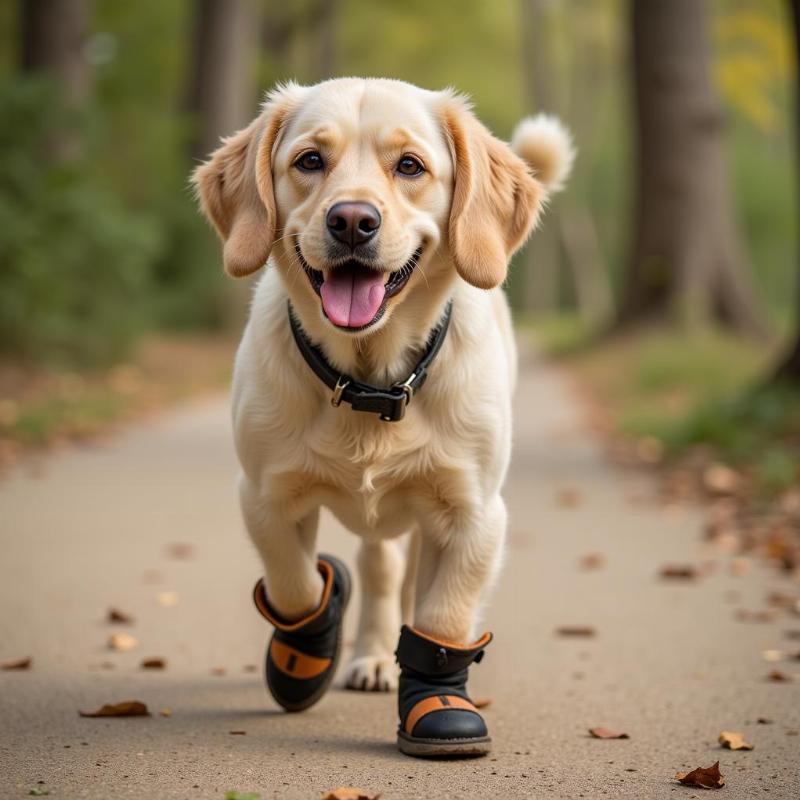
(351, 296)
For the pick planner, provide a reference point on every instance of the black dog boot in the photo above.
(436, 715)
(302, 656)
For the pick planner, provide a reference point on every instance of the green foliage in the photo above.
(76, 265)
(759, 429)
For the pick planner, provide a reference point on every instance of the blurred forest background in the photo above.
(667, 273)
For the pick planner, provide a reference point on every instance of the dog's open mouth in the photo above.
(354, 295)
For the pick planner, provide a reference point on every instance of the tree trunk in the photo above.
(687, 263)
(323, 42)
(542, 257)
(222, 89)
(52, 36)
(790, 367)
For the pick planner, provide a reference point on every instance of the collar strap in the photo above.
(390, 404)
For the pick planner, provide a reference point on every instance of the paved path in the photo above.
(669, 664)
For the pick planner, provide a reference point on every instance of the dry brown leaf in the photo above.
(482, 702)
(165, 712)
(218, 671)
(607, 733)
(733, 740)
(764, 721)
(569, 497)
(704, 777)
(250, 668)
(127, 708)
(122, 642)
(180, 551)
(776, 676)
(576, 630)
(681, 571)
(154, 663)
(591, 561)
(18, 664)
(719, 479)
(348, 793)
(116, 615)
(238, 733)
(745, 615)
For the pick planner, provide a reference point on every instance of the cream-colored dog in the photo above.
(374, 204)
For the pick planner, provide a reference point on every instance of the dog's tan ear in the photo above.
(236, 192)
(496, 200)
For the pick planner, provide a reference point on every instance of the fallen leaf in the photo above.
(764, 721)
(569, 497)
(482, 702)
(781, 600)
(18, 664)
(681, 571)
(167, 598)
(575, 630)
(250, 668)
(242, 796)
(719, 479)
(165, 712)
(591, 561)
(776, 676)
(153, 663)
(218, 671)
(181, 551)
(122, 642)
(745, 615)
(348, 793)
(704, 777)
(607, 733)
(127, 708)
(733, 740)
(115, 615)
(772, 655)
(238, 733)
(39, 792)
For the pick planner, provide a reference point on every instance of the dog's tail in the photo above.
(546, 145)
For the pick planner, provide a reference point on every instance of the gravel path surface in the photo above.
(669, 664)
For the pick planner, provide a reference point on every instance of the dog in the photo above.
(386, 216)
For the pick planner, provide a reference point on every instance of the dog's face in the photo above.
(365, 192)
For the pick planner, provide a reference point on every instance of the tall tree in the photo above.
(53, 36)
(790, 367)
(687, 262)
(222, 91)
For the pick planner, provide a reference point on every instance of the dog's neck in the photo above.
(388, 354)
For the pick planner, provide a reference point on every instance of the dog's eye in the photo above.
(310, 162)
(409, 166)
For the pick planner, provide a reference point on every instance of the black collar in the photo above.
(389, 403)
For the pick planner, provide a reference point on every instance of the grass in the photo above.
(42, 406)
(688, 391)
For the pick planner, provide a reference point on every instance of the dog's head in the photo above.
(365, 192)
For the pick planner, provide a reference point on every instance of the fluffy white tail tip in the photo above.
(546, 145)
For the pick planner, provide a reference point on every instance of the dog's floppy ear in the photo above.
(236, 192)
(496, 199)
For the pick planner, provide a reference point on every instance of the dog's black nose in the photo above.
(353, 223)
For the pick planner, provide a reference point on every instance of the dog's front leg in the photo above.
(381, 569)
(288, 550)
(460, 554)
(303, 596)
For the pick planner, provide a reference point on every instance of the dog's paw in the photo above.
(371, 674)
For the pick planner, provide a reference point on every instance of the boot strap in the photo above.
(438, 702)
(428, 655)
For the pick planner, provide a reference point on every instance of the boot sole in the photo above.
(443, 748)
(323, 688)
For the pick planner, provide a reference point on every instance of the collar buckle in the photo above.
(341, 385)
